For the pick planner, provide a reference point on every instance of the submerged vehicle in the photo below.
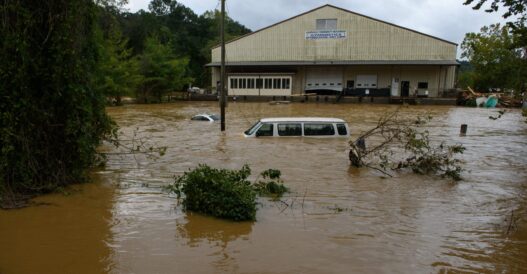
(205, 117)
(299, 127)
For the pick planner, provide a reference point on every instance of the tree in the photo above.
(515, 8)
(209, 23)
(188, 34)
(466, 75)
(51, 116)
(119, 71)
(496, 61)
(162, 71)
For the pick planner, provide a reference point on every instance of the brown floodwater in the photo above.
(336, 219)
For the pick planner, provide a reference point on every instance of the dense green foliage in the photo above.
(119, 73)
(162, 72)
(218, 192)
(466, 74)
(496, 61)
(60, 60)
(52, 117)
(498, 54)
(150, 54)
(189, 36)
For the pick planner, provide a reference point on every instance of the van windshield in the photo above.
(253, 129)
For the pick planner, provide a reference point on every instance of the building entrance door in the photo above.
(405, 88)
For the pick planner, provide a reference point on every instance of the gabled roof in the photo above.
(338, 63)
(352, 12)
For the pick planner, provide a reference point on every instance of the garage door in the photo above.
(324, 79)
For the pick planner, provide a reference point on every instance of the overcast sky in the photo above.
(447, 19)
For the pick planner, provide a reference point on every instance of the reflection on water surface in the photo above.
(336, 220)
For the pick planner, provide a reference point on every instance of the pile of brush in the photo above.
(471, 98)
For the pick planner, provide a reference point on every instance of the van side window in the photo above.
(265, 130)
(341, 128)
(289, 130)
(318, 129)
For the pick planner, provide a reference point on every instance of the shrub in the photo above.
(218, 192)
(272, 185)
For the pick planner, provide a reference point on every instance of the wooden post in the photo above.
(463, 130)
(361, 144)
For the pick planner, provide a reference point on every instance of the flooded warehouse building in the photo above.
(330, 50)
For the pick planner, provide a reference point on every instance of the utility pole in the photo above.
(223, 92)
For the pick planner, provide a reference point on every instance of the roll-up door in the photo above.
(366, 81)
(324, 79)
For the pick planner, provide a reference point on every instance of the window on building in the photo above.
(286, 83)
(234, 83)
(318, 129)
(268, 83)
(251, 83)
(326, 24)
(422, 85)
(259, 83)
(289, 130)
(276, 83)
(244, 83)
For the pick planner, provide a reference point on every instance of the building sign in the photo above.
(325, 34)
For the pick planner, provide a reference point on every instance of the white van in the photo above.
(301, 126)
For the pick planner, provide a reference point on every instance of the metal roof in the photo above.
(330, 63)
(302, 119)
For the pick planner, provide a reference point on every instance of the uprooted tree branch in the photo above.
(135, 145)
(396, 143)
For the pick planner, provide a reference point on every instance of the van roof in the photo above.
(302, 119)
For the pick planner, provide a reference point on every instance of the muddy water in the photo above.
(336, 220)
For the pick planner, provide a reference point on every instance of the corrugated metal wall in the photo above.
(367, 39)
